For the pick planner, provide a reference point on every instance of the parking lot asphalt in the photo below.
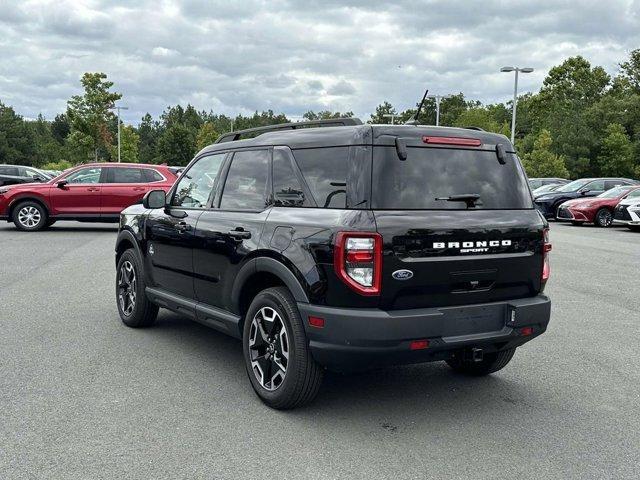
(83, 397)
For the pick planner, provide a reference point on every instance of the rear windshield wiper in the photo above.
(469, 198)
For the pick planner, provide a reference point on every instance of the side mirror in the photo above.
(289, 198)
(584, 191)
(154, 199)
(38, 178)
(62, 183)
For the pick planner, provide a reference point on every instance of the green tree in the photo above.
(89, 113)
(542, 162)
(325, 115)
(149, 132)
(129, 141)
(16, 138)
(481, 117)
(206, 136)
(616, 155)
(630, 70)
(60, 128)
(176, 145)
(385, 108)
(568, 91)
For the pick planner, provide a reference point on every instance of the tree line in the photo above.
(582, 122)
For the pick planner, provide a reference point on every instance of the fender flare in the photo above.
(269, 265)
(126, 235)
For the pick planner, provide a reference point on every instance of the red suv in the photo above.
(90, 192)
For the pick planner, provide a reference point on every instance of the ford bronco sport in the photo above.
(344, 246)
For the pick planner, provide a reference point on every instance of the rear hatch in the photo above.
(458, 225)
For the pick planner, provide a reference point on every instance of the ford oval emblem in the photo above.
(402, 274)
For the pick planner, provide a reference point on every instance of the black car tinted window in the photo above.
(429, 175)
(12, 171)
(195, 187)
(246, 185)
(287, 190)
(595, 186)
(126, 175)
(325, 171)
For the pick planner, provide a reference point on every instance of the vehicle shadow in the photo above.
(390, 396)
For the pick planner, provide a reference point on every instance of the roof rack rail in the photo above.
(336, 122)
(475, 128)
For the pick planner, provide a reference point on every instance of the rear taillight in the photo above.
(357, 260)
(546, 248)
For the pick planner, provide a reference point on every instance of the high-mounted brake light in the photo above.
(357, 260)
(546, 248)
(463, 141)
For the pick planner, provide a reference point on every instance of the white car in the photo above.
(627, 212)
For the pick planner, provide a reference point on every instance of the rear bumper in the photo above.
(353, 339)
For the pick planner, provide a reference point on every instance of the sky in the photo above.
(293, 56)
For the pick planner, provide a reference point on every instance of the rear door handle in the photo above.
(240, 233)
(93, 189)
(182, 227)
(139, 189)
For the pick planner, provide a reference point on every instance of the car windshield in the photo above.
(614, 192)
(573, 186)
(634, 194)
(546, 188)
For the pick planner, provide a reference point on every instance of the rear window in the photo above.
(325, 171)
(429, 175)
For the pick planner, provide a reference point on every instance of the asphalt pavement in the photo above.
(84, 397)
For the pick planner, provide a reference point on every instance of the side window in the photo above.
(609, 184)
(152, 175)
(126, 175)
(11, 171)
(31, 173)
(596, 186)
(85, 175)
(196, 185)
(325, 171)
(634, 193)
(287, 190)
(246, 185)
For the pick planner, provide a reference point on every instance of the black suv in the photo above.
(344, 247)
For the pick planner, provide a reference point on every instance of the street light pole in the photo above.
(118, 108)
(392, 116)
(517, 70)
(438, 98)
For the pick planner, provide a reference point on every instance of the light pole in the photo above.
(437, 99)
(392, 116)
(515, 95)
(118, 108)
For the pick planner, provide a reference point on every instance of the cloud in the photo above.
(293, 56)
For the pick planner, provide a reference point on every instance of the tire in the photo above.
(492, 362)
(266, 349)
(134, 307)
(29, 216)
(603, 218)
(50, 222)
(634, 228)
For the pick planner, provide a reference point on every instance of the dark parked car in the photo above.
(539, 182)
(345, 248)
(91, 192)
(548, 203)
(17, 174)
